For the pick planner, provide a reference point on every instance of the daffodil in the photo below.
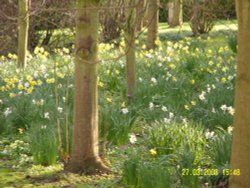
(50, 81)
(152, 152)
(193, 103)
(109, 100)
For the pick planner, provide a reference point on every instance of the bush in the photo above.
(202, 17)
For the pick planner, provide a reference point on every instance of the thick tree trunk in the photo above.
(175, 13)
(130, 50)
(23, 27)
(240, 158)
(85, 152)
(153, 17)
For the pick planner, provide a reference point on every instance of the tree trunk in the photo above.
(130, 49)
(85, 151)
(153, 17)
(240, 158)
(175, 13)
(23, 27)
(140, 14)
(194, 16)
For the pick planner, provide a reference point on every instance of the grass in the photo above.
(184, 95)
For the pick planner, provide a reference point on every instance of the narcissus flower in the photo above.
(152, 152)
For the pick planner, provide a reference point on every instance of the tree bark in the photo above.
(130, 31)
(140, 14)
(175, 13)
(23, 27)
(85, 149)
(195, 9)
(240, 158)
(153, 17)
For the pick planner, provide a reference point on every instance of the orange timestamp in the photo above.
(209, 172)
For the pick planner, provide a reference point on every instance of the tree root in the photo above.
(88, 167)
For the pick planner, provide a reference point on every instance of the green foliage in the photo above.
(169, 138)
(117, 122)
(138, 173)
(220, 153)
(17, 148)
(221, 149)
(188, 163)
(19, 151)
(232, 42)
(130, 170)
(154, 176)
(44, 144)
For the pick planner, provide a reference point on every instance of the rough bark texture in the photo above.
(85, 152)
(240, 158)
(23, 28)
(153, 17)
(175, 13)
(130, 49)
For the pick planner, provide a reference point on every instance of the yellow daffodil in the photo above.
(152, 152)
(50, 80)
(108, 99)
(193, 103)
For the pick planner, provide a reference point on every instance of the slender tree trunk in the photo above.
(130, 49)
(23, 27)
(194, 17)
(153, 17)
(240, 158)
(175, 13)
(140, 14)
(85, 151)
(145, 19)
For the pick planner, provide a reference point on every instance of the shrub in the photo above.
(202, 17)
